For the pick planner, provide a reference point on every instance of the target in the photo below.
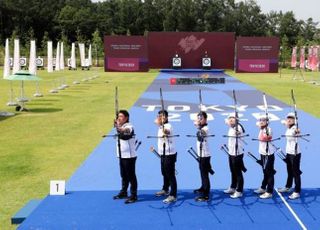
(53, 62)
(69, 62)
(176, 62)
(206, 62)
(11, 62)
(23, 61)
(39, 62)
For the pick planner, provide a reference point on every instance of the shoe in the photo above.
(162, 193)
(259, 191)
(198, 191)
(236, 195)
(266, 195)
(169, 199)
(202, 198)
(284, 189)
(229, 191)
(294, 195)
(131, 200)
(120, 196)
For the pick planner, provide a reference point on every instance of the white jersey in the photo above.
(127, 146)
(263, 144)
(169, 142)
(232, 141)
(205, 145)
(292, 141)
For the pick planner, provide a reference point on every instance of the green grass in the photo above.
(307, 95)
(56, 136)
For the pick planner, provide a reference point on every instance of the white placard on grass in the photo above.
(57, 187)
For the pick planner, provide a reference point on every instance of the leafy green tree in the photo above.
(171, 10)
(97, 46)
(44, 44)
(289, 27)
(273, 25)
(153, 15)
(285, 51)
(309, 29)
(213, 12)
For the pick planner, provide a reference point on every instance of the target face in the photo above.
(23, 61)
(176, 62)
(39, 61)
(206, 62)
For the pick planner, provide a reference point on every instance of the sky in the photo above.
(302, 9)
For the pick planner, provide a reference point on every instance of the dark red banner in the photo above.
(191, 47)
(257, 54)
(126, 53)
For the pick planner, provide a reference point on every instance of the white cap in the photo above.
(291, 115)
(231, 115)
(262, 117)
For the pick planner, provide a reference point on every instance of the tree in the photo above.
(44, 43)
(97, 46)
(285, 51)
(309, 29)
(66, 44)
(213, 13)
(153, 15)
(273, 25)
(289, 27)
(170, 22)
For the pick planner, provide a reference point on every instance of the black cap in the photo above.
(125, 113)
(164, 112)
(203, 114)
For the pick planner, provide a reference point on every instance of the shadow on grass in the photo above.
(2, 118)
(45, 110)
(75, 91)
(46, 100)
(81, 87)
(35, 103)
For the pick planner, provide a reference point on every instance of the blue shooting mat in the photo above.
(88, 203)
(101, 170)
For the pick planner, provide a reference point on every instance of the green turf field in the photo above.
(60, 130)
(307, 95)
(58, 133)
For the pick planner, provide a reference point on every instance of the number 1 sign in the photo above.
(57, 187)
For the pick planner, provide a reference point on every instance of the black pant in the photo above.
(128, 175)
(205, 166)
(268, 172)
(168, 172)
(236, 165)
(293, 169)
